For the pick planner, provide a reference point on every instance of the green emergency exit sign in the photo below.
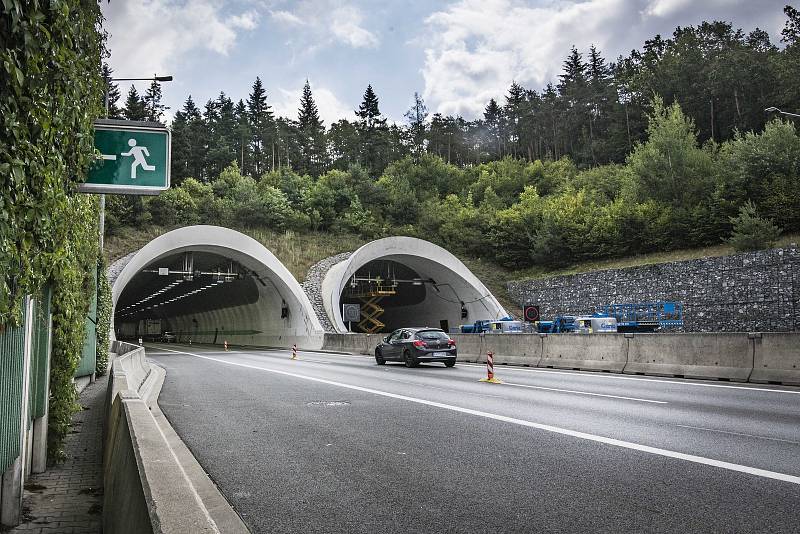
(134, 158)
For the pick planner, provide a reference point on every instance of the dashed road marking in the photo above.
(584, 393)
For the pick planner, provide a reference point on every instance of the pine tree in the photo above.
(262, 124)
(513, 117)
(242, 139)
(152, 102)
(112, 95)
(311, 136)
(574, 91)
(135, 109)
(417, 129)
(373, 134)
(221, 124)
(492, 119)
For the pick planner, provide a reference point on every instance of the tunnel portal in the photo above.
(208, 284)
(405, 282)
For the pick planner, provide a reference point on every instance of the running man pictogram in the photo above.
(138, 153)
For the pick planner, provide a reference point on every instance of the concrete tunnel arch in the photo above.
(447, 284)
(272, 309)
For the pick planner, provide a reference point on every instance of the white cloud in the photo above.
(328, 21)
(153, 36)
(285, 17)
(476, 48)
(287, 101)
(346, 28)
(245, 21)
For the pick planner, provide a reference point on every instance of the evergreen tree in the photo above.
(241, 142)
(493, 119)
(135, 108)
(514, 117)
(311, 136)
(373, 134)
(152, 102)
(262, 124)
(573, 89)
(112, 95)
(416, 117)
(221, 124)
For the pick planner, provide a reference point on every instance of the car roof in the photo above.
(422, 328)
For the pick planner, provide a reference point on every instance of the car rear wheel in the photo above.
(449, 363)
(409, 359)
(379, 358)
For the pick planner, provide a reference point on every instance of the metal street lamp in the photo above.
(773, 109)
(151, 79)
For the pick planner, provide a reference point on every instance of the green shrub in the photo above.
(751, 232)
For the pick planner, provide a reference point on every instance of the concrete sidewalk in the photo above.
(68, 498)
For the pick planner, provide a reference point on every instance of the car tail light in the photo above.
(419, 343)
(451, 342)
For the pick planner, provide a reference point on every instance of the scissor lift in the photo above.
(370, 296)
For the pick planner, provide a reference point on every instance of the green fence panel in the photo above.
(40, 355)
(12, 346)
(88, 363)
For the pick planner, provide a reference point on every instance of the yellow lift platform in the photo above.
(371, 310)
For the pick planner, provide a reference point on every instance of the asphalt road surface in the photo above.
(335, 443)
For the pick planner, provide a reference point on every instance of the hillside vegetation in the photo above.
(617, 161)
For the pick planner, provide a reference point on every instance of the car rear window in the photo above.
(432, 335)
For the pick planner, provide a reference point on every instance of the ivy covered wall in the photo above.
(51, 91)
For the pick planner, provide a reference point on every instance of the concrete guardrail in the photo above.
(764, 358)
(607, 352)
(691, 355)
(776, 358)
(152, 482)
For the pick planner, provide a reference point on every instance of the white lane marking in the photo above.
(619, 377)
(739, 434)
(449, 390)
(539, 426)
(584, 393)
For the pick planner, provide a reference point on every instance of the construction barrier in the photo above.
(776, 358)
(587, 352)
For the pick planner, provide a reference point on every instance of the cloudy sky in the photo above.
(457, 54)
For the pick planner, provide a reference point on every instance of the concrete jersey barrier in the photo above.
(763, 358)
(776, 358)
(147, 490)
(587, 352)
(513, 349)
(698, 355)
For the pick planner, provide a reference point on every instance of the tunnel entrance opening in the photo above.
(162, 301)
(421, 284)
(394, 295)
(208, 284)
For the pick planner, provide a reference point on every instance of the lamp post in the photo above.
(154, 78)
(773, 109)
(151, 79)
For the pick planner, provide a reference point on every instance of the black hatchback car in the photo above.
(417, 345)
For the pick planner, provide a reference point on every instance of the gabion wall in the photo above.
(750, 292)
